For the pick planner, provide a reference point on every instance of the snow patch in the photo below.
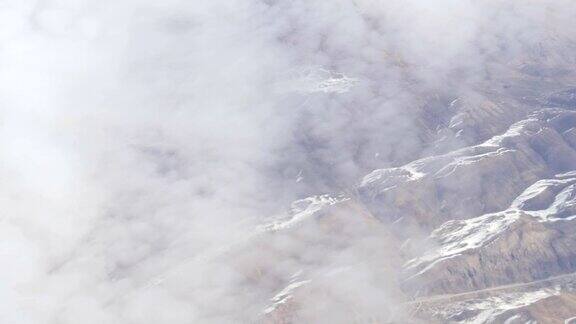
(286, 294)
(390, 178)
(315, 79)
(302, 210)
(459, 236)
(488, 309)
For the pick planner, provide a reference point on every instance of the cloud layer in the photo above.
(142, 137)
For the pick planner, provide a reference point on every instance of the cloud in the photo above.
(138, 138)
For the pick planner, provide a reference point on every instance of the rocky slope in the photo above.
(476, 227)
(487, 229)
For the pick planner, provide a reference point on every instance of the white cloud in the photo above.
(136, 135)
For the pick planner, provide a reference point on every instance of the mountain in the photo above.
(481, 234)
(477, 226)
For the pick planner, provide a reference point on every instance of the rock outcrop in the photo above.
(511, 246)
(474, 180)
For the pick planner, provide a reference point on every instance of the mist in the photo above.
(144, 145)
